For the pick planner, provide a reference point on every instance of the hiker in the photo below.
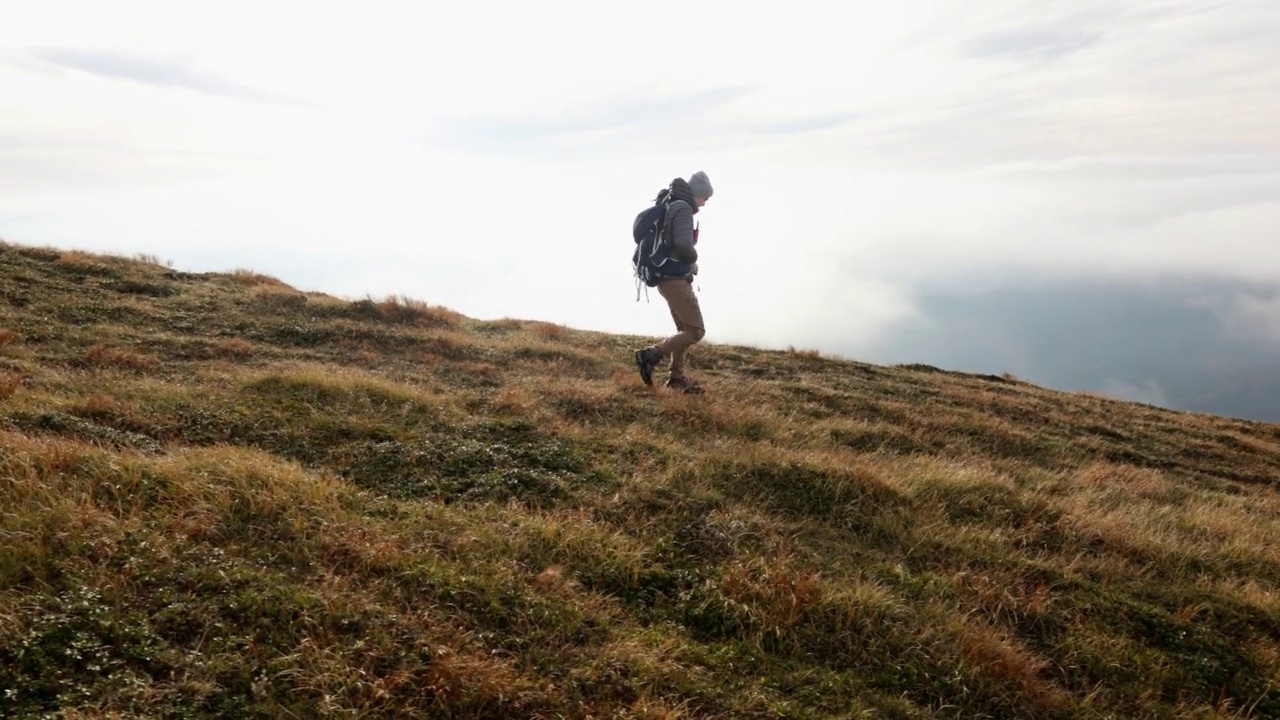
(673, 276)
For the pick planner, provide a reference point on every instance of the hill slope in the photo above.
(223, 497)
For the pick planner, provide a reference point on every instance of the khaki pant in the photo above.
(688, 317)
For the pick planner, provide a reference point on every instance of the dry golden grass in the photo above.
(100, 404)
(402, 309)
(151, 259)
(108, 356)
(234, 347)
(395, 510)
(449, 344)
(548, 358)
(774, 590)
(582, 402)
(514, 400)
(244, 276)
(278, 296)
(1009, 662)
(77, 258)
(9, 384)
(549, 331)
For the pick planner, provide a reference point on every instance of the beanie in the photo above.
(700, 184)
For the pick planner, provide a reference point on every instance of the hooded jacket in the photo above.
(677, 231)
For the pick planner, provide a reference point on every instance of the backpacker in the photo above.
(652, 259)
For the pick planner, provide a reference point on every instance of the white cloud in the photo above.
(1147, 391)
(1254, 317)
(490, 155)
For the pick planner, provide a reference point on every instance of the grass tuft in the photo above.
(108, 356)
(9, 384)
(242, 276)
(402, 310)
(105, 355)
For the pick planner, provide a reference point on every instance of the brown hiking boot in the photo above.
(684, 385)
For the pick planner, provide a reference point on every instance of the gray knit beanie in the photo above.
(700, 184)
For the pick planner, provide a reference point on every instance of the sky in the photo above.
(1085, 194)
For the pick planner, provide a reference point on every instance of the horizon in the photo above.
(950, 186)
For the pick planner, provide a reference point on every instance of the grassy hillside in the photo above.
(223, 497)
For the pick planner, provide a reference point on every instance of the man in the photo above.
(685, 199)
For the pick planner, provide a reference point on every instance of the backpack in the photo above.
(652, 260)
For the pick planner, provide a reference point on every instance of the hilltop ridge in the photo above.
(226, 497)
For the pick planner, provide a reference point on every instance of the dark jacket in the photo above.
(677, 231)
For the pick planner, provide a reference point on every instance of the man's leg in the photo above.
(688, 317)
(677, 356)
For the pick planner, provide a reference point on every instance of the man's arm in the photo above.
(682, 232)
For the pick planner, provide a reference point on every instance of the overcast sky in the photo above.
(886, 174)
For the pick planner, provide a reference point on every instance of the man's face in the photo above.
(699, 201)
